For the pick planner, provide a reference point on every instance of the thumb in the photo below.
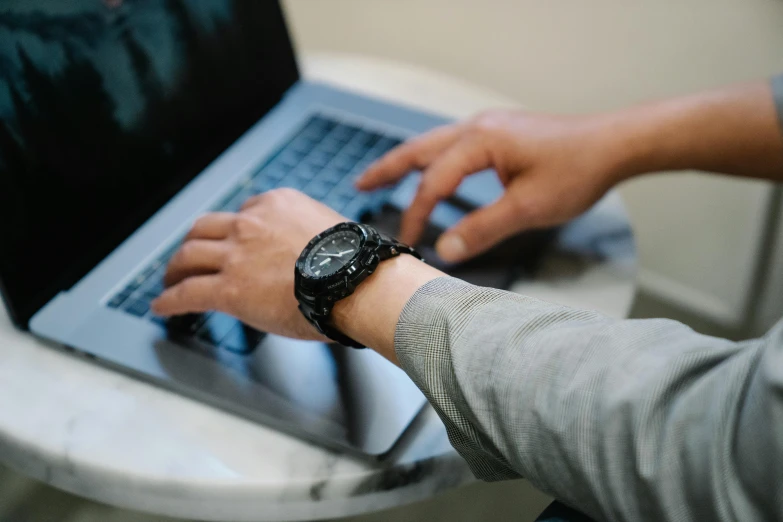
(479, 231)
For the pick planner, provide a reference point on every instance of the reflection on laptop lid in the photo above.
(108, 109)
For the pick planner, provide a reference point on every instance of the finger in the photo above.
(412, 155)
(480, 230)
(191, 295)
(215, 225)
(196, 256)
(439, 181)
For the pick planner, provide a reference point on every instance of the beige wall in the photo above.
(697, 236)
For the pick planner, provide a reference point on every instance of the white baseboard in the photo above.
(688, 298)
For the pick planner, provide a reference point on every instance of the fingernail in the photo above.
(451, 247)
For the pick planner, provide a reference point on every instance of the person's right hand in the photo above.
(553, 168)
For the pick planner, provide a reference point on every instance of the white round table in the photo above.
(110, 438)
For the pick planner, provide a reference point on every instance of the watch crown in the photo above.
(393, 251)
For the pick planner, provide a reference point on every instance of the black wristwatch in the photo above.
(333, 264)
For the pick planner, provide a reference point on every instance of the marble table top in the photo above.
(108, 437)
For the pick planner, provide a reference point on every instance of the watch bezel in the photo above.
(349, 268)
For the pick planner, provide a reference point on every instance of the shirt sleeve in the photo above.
(777, 92)
(624, 420)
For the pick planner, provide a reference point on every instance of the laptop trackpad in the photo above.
(353, 399)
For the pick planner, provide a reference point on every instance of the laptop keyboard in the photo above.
(323, 159)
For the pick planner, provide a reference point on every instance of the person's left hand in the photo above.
(243, 264)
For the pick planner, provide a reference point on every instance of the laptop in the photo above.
(120, 124)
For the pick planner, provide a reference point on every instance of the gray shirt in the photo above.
(624, 420)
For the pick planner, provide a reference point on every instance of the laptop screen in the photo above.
(110, 107)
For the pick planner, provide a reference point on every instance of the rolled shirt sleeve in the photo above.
(624, 420)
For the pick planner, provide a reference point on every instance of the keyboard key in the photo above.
(316, 129)
(133, 285)
(253, 337)
(359, 169)
(147, 272)
(306, 171)
(275, 171)
(148, 295)
(331, 145)
(354, 152)
(236, 202)
(156, 279)
(319, 122)
(187, 324)
(263, 183)
(153, 289)
(331, 176)
(290, 158)
(368, 159)
(166, 256)
(293, 182)
(313, 134)
(319, 159)
(118, 299)
(138, 308)
(216, 327)
(343, 132)
(318, 189)
(242, 339)
(338, 201)
(356, 206)
(343, 162)
(302, 144)
(385, 144)
(365, 139)
(376, 153)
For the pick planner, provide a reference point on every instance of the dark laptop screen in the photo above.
(107, 109)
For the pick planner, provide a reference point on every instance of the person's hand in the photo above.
(553, 168)
(243, 264)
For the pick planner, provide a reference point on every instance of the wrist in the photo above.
(654, 137)
(370, 314)
(624, 139)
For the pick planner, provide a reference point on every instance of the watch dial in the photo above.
(332, 253)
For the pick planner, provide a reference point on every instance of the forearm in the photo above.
(733, 131)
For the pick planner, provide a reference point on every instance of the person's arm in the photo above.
(777, 94)
(627, 420)
(733, 131)
(623, 420)
(556, 167)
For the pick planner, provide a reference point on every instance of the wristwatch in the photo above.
(333, 264)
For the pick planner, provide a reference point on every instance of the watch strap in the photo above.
(390, 247)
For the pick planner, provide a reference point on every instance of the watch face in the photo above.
(332, 253)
